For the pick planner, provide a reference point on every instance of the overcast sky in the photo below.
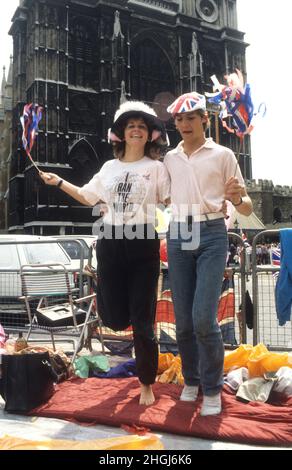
(269, 67)
(267, 25)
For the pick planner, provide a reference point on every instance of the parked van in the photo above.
(73, 249)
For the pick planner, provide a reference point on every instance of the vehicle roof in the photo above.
(75, 237)
(16, 237)
(88, 239)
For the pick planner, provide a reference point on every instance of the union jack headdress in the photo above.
(187, 103)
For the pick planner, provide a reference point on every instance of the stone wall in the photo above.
(272, 204)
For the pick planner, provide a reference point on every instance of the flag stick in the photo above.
(238, 155)
(34, 164)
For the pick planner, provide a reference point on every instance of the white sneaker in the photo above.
(211, 405)
(189, 393)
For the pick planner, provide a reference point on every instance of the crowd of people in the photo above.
(264, 253)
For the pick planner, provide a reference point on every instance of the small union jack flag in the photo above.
(276, 256)
(32, 114)
(187, 103)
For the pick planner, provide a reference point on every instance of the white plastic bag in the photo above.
(284, 383)
(236, 377)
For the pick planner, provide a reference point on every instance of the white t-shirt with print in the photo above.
(130, 190)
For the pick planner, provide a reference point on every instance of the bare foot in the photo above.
(146, 397)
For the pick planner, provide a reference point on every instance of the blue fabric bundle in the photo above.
(126, 369)
(284, 282)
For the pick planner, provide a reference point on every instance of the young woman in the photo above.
(128, 247)
(202, 177)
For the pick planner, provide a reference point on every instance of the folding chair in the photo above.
(51, 304)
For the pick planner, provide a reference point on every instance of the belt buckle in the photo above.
(190, 219)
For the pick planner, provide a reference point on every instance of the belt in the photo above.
(200, 217)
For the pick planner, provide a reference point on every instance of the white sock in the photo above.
(189, 393)
(211, 405)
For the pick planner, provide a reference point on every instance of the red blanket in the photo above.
(114, 402)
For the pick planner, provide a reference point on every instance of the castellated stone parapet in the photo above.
(267, 185)
(260, 185)
(283, 190)
(270, 202)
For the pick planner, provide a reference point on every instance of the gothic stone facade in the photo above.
(78, 59)
(5, 140)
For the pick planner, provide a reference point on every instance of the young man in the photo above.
(202, 177)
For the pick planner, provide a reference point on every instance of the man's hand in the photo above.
(233, 190)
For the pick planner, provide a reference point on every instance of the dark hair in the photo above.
(152, 150)
(205, 114)
(202, 113)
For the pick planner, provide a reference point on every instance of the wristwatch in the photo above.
(239, 203)
(59, 184)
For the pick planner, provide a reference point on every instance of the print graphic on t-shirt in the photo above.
(127, 195)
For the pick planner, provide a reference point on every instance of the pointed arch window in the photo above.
(84, 162)
(153, 79)
(152, 72)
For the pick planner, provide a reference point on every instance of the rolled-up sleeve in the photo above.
(93, 191)
(163, 184)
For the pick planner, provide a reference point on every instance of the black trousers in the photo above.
(128, 272)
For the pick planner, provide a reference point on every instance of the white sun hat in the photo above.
(131, 109)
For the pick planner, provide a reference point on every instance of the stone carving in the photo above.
(194, 56)
(123, 97)
(117, 26)
(195, 63)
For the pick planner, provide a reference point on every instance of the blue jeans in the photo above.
(196, 279)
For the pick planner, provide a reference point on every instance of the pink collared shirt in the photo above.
(200, 178)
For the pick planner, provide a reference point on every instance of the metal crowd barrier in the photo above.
(238, 273)
(261, 286)
(13, 315)
(265, 323)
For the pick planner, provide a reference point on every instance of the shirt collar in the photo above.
(209, 144)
